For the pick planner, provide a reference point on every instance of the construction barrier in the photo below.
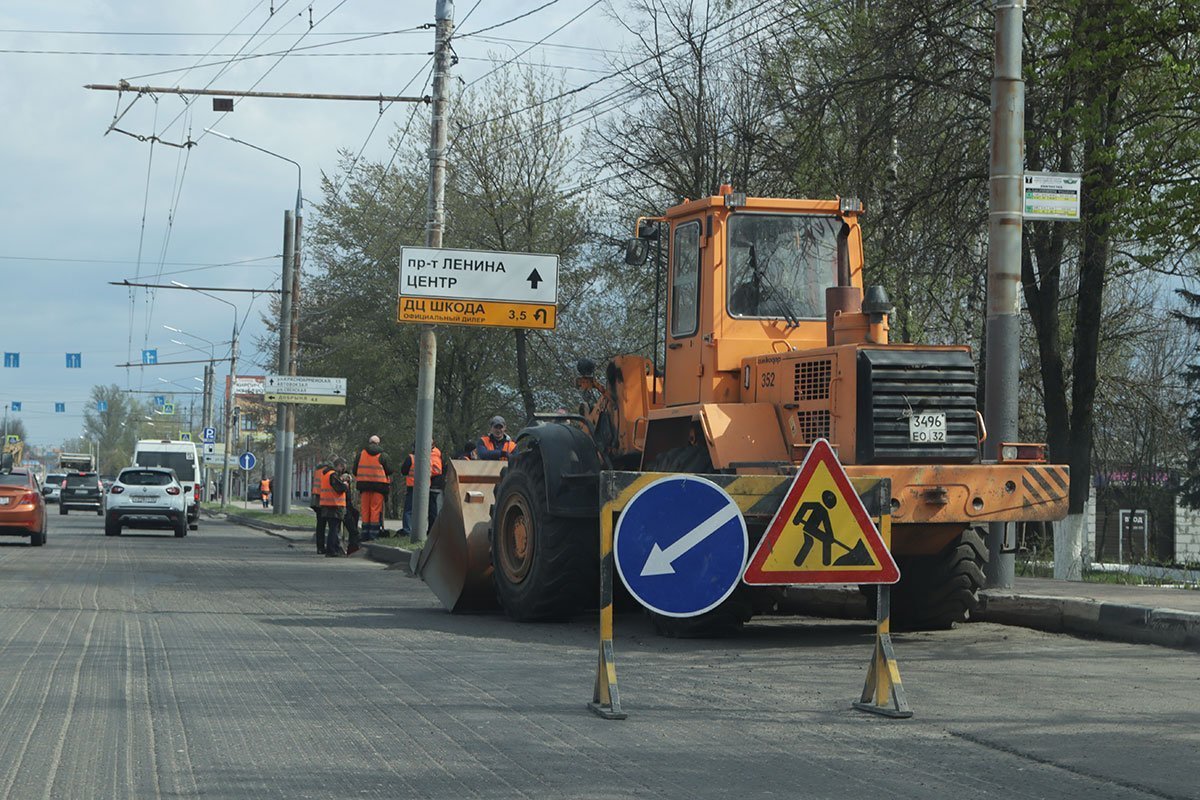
(758, 498)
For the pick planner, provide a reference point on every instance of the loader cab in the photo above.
(747, 277)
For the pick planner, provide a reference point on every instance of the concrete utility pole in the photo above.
(229, 403)
(281, 497)
(427, 364)
(1004, 262)
(289, 432)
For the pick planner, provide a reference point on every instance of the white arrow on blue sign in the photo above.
(247, 460)
(681, 546)
(208, 435)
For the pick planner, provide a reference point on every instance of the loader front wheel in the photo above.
(545, 565)
(939, 590)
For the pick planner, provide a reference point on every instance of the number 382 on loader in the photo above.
(771, 344)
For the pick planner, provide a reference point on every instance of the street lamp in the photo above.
(285, 421)
(233, 352)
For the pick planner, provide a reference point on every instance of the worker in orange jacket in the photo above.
(495, 445)
(373, 473)
(435, 486)
(332, 486)
(264, 491)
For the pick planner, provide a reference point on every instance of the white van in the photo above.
(181, 457)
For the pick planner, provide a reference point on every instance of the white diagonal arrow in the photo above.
(660, 562)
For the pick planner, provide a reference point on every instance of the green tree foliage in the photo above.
(508, 188)
(114, 431)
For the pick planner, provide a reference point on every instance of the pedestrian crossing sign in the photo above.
(822, 532)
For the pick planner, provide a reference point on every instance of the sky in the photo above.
(80, 207)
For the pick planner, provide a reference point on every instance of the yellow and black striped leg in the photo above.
(606, 699)
(883, 693)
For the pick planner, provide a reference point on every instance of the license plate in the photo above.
(4, 501)
(143, 499)
(928, 427)
(81, 491)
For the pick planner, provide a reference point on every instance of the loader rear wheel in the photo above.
(939, 590)
(545, 565)
(727, 618)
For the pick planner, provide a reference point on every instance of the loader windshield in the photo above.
(781, 264)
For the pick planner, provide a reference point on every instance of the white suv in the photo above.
(146, 497)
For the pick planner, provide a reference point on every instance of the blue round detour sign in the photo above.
(681, 545)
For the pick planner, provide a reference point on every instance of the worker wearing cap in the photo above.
(495, 445)
(331, 509)
(373, 474)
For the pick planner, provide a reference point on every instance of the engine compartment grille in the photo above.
(812, 379)
(894, 384)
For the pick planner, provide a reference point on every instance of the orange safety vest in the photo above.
(264, 486)
(370, 469)
(435, 466)
(330, 498)
(506, 447)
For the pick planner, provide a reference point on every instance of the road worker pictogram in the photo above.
(821, 533)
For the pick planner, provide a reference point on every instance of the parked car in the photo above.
(179, 456)
(146, 497)
(22, 507)
(81, 490)
(52, 486)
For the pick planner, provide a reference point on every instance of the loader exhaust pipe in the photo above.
(456, 561)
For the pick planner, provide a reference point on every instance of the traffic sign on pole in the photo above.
(680, 545)
(822, 532)
(208, 435)
(477, 287)
(247, 460)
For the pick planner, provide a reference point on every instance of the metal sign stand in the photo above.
(606, 699)
(883, 693)
(758, 496)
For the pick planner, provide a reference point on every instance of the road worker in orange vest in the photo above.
(332, 485)
(373, 474)
(495, 445)
(435, 486)
(264, 491)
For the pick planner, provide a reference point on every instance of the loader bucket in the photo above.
(456, 561)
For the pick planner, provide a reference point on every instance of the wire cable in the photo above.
(544, 38)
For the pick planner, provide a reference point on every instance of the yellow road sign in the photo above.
(448, 311)
(821, 533)
(306, 399)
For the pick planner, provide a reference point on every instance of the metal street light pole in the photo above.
(285, 420)
(209, 406)
(233, 353)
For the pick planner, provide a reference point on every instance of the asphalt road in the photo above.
(232, 664)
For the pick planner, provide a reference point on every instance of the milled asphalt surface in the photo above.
(235, 664)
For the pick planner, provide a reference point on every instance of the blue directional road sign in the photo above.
(681, 546)
(12, 360)
(102, 405)
(60, 408)
(16, 405)
(208, 435)
(150, 356)
(247, 460)
(160, 399)
(74, 360)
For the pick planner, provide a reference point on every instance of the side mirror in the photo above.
(636, 252)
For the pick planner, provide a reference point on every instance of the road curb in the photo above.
(1083, 616)
(291, 534)
(386, 554)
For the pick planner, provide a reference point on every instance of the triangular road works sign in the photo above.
(821, 533)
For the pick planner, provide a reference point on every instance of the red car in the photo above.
(22, 509)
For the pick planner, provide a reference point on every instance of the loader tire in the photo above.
(545, 566)
(937, 591)
(737, 609)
